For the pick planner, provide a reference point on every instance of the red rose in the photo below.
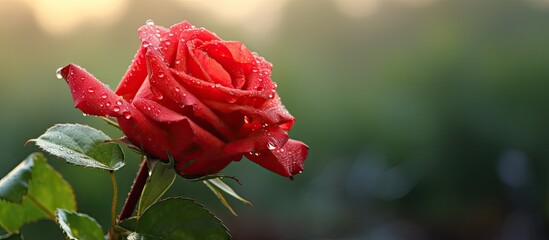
(204, 100)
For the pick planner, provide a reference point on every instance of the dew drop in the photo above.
(271, 96)
(116, 109)
(150, 22)
(161, 75)
(156, 94)
(58, 73)
(170, 34)
(247, 120)
(271, 146)
(146, 44)
(62, 149)
(127, 115)
(168, 43)
(118, 102)
(177, 62)
(104, 95)
(108, 104)
(90, 90)
(177, 89)
(85, 115)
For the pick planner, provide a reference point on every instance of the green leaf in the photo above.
(46, 192)
(15, 185)
(159, 181)
(180, 218)
(218, 186)
(11, 236)
(79, 226)
(218, 183)
(82, 145)
(220, 196)
(129, 224)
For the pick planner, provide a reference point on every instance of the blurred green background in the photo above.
(426, 119)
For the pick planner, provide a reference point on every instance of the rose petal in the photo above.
(267, 138)
(218, 92)
(203, 163)
(162, 80)
(212, 70)
(286, 161)
(134, 77)
(103, 102)
(272, 112)
(92, 96)
(199, 33)
(146, 134)
(157, 112)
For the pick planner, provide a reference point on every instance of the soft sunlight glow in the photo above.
(61, 16)
(257, 17)
(362, 8)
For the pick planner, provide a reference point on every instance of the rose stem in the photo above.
(113, 205)
(135, 191)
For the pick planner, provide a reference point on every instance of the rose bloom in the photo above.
(205, 101)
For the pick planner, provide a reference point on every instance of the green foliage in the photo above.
(161, 178)
(78, 226)
(11, 237)
(16, 184)
(218, 186)
(43, 191)
(177, 218)
(82, 145)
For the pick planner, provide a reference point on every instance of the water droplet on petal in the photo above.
(90, 90)
(116, 109)
(58, 73)
(104, 95)
(231, 99)
(127, 115)
(271, 146)
(157, 94)
(146, 44)
(170, 34)
(108, 104)
(271, 96)
(118, 102)
(150, 22)
(177, 89)
(247, 120)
